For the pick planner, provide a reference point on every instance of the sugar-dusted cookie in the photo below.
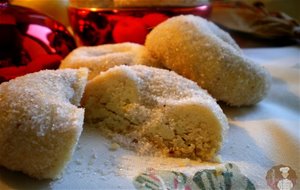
(40, 121)
(201, 51)
(101, 58)
(155, 112)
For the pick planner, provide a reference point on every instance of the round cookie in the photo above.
(155, 112)
(102, 57)
(40, 122)
(202, 52)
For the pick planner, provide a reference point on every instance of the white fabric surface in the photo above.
(268, 133)
(260, 137)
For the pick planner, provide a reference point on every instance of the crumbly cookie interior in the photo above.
(155, 112)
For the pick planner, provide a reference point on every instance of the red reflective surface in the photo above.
(30, 41)
(93, 26)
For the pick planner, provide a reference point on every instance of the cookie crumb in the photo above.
(114, 146)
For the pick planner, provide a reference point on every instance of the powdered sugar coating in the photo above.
(202, 52)
(40, 121)
(102, 57)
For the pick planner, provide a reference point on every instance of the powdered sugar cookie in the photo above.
(155, 112)
(40, 121)
(102, 57)
(202, 52)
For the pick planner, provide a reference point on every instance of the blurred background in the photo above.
(249, 26)
(58, 8)
(291, 7)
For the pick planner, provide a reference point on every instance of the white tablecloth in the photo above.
(260, 137)
(268, 134)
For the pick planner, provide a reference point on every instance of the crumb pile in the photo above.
(40, 122)
(158, 111)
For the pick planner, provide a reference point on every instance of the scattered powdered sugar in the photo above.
(94, 165)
